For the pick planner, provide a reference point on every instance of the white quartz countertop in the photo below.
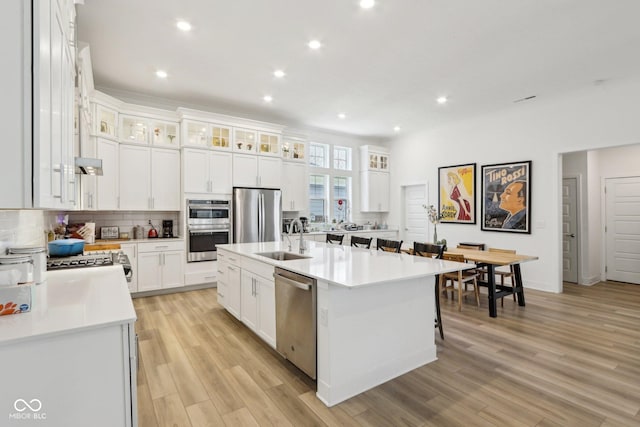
(346, 265)
(75, 299)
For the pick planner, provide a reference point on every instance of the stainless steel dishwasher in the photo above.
(296, 319)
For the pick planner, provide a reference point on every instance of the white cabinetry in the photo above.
(131, 251)
(101, 192)
(229, 282)
(294, 149)
(206, 171)
(295, 188)
(256, 171)
(258, 304)
(106, 122)
(149, 178)
(54, 179)
(136, 129)
(160, 265)
(374, 179)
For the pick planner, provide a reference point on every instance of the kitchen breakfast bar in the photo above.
(375, 309)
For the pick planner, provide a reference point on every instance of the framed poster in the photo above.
(457, 193)
(506, 195)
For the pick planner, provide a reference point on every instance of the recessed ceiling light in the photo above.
(367, 4)
(441, 99)
(279, 73)
(396, 128)
(183, 25)
(162, 74)
(315, 44)
(342, 116)
(267, 98)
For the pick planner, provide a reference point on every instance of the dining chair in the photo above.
(335, 238)
(361, 242)
(461, 277)
(505, 273)
(430, 250)
(388, 245)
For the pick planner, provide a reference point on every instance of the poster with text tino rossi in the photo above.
(506, 197)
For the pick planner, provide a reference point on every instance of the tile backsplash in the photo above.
(124, 220)
(21, 228)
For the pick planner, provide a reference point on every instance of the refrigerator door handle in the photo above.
(261, 222)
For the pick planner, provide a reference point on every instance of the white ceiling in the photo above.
(382, 67)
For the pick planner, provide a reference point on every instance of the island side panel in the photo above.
(371, 334)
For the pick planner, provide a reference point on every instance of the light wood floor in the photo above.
(563, 360)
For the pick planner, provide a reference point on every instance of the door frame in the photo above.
(579, 221)
(403, 189)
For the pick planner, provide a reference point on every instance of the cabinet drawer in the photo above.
(257, 267)
(161, 246)
(200, 277)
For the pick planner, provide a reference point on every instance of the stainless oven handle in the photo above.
(203, 232)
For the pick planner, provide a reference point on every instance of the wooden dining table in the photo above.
(492, 260)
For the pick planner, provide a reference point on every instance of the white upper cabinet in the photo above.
(269, 144)
(206, 171)
(106, 195)
(149, 178)
(244, 140)
(374, 158)
(205, 135)
(256, 171)
(142, 130)
(294, 150)
(295, 188)
(105, 122)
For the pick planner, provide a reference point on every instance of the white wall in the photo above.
(21, 228)
(539, 130)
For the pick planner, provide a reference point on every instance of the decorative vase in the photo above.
(435, 234)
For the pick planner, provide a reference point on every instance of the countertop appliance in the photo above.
(208, 225)
(92, 260)
(257, 214)
(109, 233)
(296, 319)
(167, 228)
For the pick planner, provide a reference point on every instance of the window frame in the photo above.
(330, 172)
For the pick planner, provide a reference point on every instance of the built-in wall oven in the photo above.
(208, 225)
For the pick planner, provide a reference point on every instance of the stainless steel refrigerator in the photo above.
(257, 215)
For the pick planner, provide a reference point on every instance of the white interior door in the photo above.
(415, 216)
(570, 230)
(622, 210)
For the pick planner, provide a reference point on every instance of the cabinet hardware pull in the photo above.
(209, 277)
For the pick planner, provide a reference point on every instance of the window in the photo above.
(317, 198)
(330, 183)
(318, 155)
(341, 198)
(342, 158)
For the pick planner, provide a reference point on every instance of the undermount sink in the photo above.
(282, 256)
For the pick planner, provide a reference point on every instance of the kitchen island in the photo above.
(375, 310)
(72, 359)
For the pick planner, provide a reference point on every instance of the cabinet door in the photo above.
(269, 144)
(295, 189)
(134, 129)
(269, 172)
(106, 122)
(248, 300)
(173, 269)
(134, 177)
(245, 170)
(380, 188)
(266, 310)
(165, 179)
(194, 133)
(196, 171)
(107, 185)
(220, 172)
(131, 251)
(232, 297)
(223, 280)
(149, 271)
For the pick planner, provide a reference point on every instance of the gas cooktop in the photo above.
(79, 261)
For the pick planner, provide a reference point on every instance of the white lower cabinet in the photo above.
(160, 265)
(131, 251)
(229, 282)
(258, 305)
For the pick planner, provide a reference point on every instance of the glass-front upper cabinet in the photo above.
(134, 129)
(106, 123)
(220, 137)
(294, 150)
(164, 133)
(374, 158)
(269, 144)
(244, 140)
(195, 133)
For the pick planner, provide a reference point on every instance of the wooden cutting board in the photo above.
(101, 246)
